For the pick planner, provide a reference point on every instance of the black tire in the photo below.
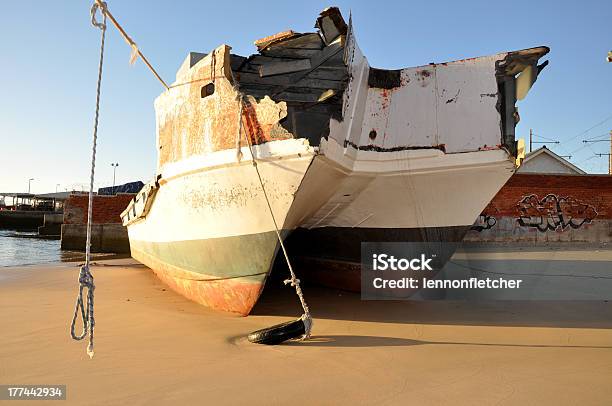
(280, 333)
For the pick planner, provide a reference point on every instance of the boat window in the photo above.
(207, 90)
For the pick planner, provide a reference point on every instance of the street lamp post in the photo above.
(30, 184)
(114, 165)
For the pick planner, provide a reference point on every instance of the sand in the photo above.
(155, 347)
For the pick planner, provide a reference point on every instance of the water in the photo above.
(18, 248)
(15, 251)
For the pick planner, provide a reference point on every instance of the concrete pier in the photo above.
(52, 224)
(22, 219)
(104, 238)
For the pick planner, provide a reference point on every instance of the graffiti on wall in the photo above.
(554, 212)
(484, 222)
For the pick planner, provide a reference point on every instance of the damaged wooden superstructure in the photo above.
(347, 153)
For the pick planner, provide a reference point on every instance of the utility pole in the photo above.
(114, 165)
(530, 140)
(30, 184)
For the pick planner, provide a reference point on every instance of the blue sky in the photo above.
(49, 63)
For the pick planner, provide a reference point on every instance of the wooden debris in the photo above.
(276, 68)
(306, 71)
(264, 42)
(331, 24)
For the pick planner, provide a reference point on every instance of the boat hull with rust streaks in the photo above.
(347, 153)
(209, 233)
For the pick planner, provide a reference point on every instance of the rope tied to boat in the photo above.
(86, 279)
(293, 280)
(135, 51)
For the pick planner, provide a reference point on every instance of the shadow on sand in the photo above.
(325, 303)
(374, 341)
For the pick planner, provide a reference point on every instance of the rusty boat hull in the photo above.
(207, 231)
(347, 153)
(219, 287)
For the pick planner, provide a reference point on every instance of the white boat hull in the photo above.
(347, 154)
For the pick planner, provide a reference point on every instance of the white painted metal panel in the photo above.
(412, 111)
(453, 105)
(467, 96)
(447, 190)
(354, 98)
(450, 105)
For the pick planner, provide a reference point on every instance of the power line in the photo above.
(544, 138)
(593, 139)
(579, 149)
(586, 145)
(597, 136)
(585, 160)
(590, 128)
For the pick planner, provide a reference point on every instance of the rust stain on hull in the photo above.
(192, 122)
(235, 295)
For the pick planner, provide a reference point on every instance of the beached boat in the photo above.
(347, 153)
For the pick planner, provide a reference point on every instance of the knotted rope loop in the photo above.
(293, 282)
(98, 5)
(86, 281)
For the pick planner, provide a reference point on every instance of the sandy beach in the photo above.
(153, 346)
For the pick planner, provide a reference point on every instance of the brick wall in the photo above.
(594, 190)
(106, 209)
(548, 208)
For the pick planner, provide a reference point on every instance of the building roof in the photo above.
(42, 196)
(543, 160)
(10, 194)
(56, 196)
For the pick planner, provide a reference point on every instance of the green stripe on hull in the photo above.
(248, 257)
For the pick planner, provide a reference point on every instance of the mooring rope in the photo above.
(86, 280)
(293, 280)
(135, 50)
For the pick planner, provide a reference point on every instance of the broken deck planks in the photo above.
(278, 68)
(247, 78)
